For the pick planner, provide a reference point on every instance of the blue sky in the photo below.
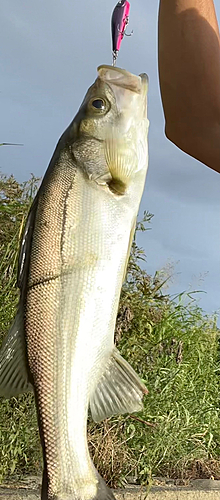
(50, 52)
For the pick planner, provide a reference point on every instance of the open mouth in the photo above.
(122, 78)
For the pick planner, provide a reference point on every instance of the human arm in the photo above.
(189, 72)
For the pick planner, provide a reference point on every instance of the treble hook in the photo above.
(128, 34)
(125, 27)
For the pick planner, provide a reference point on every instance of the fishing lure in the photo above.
(120, 19)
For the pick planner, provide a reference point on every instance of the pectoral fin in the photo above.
(121, 161)
(14, 377)
(119, 390)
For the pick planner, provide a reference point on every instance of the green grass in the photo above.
(178, 359)
(172, 344)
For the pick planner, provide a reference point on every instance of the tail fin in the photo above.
(104, 492)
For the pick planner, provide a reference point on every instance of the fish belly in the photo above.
(77, 262)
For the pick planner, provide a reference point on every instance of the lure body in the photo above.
(120, 18)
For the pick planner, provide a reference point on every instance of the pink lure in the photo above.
(120, 17)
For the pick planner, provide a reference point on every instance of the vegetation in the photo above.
(19, 442)
(172, 344)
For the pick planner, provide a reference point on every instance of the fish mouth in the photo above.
(124, 79)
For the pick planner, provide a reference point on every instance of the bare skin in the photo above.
(189, 71)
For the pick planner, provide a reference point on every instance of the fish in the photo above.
(72, 264)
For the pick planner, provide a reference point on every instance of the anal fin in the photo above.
(14, 377)
(119, 390)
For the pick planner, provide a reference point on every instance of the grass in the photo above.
(179, 362)
(19, 440)
(172, 344)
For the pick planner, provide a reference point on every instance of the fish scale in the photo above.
(40, 347)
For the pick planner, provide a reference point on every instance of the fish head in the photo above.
(112, 127)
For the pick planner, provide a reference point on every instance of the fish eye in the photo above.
(98, 104)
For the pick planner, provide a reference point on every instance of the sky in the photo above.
(50, 52)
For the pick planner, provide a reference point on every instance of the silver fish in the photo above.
(72, 264)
